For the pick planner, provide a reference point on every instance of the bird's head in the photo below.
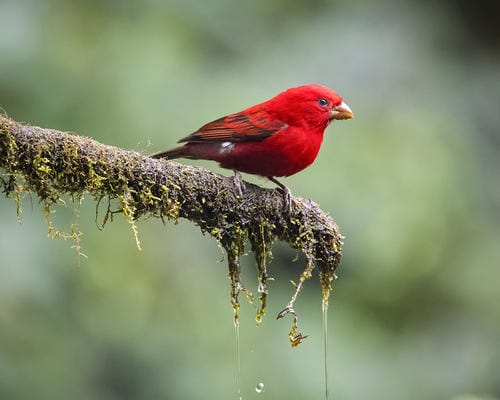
(312, 105)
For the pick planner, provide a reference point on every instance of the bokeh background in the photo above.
(413, 181)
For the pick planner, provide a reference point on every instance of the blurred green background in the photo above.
(413, 181)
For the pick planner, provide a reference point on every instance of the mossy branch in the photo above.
(52, 164)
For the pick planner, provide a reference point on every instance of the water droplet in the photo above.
(324, 306)
(259, 388)
(238, 359)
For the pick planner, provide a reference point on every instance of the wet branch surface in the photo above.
(53, 164)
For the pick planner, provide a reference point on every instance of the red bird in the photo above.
(278, 137)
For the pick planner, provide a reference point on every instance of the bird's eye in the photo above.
(323, 102)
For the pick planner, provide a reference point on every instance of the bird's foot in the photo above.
(287, 194)
(238, 183)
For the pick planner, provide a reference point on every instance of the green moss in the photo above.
(262, 240)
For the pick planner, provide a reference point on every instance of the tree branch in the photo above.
(52, 164)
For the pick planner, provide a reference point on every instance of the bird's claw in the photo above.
(288, 199)
(287, 194)
(238, 183)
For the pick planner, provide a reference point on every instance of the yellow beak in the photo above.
(342, 111)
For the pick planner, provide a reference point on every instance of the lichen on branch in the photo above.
(52, 164)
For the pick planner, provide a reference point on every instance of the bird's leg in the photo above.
(238, 182)
(286, 193)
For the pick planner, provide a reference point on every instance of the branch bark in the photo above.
(52, 164)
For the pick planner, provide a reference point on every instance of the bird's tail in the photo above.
(176, 152)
